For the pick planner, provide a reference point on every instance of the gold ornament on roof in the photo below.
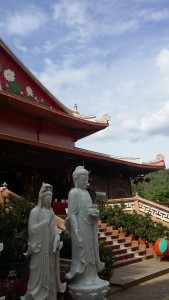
(106, 117)
(75, 107)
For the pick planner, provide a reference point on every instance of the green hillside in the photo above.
(157, 188)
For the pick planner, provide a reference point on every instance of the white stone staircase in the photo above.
(125, 249)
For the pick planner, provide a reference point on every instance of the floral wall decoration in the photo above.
(13, 82)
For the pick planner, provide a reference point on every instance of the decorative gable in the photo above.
(17, 80)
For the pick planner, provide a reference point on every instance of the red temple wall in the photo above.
(57, 136)
(19, 125)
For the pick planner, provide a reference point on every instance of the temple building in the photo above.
(38, 135)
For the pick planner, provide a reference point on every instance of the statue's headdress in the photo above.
(46, 189)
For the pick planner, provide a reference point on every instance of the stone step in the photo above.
(102, 229)
(131, 249)
(108, 233)
(125, 249)
(114, 237)
(114, 247)
(122, 235)
(123, 256)
(102, 238)
(115, 232)
(108, 242)
(118, 240)
(140, 252)
(125, 262)
(119, 251)
(122, 245)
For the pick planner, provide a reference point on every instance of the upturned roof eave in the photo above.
(36, 110)
(134, 169)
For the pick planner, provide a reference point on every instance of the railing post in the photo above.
(136, 203)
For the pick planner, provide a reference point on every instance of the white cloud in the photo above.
(157, 123)
(118, 27)
(138, 129)
(49, 46)
(22, 21)
(162, 61)
(20, 46)
(57, 77)
(118, 88)
(70, 13)
(72, 17)
(151, 14)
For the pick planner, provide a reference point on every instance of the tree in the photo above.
(155, 186)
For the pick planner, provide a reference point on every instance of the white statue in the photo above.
(44, 248)
(82, 223)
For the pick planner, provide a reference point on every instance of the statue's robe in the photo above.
(84, 234)
(44, 280)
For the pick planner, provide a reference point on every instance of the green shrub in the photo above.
(106, 256)
(14, 229)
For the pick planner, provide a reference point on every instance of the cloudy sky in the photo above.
(108, 56)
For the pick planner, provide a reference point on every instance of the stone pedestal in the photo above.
(93, 292)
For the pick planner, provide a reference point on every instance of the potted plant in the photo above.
(106, 256)
(156, 231)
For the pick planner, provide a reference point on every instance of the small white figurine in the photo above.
(44, 249)
(82, 223)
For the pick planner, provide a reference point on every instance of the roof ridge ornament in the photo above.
(75, 108)
(159, 157)
(105, 118)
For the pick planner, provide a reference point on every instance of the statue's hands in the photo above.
(93, 211)
(56, 242)
(61, 245)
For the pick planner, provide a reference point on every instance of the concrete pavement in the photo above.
(146, 280)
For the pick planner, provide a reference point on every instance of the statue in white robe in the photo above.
(44, 249)
(82, 223)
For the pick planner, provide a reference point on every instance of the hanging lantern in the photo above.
(161, 247)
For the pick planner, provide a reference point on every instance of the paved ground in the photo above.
(157, 288)
(147, 280)
(142, 271)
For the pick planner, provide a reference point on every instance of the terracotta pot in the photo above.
(142, 241)
(150, 245)
(120, 230)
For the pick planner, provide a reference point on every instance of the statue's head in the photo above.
(80, 177)
(45, 194)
